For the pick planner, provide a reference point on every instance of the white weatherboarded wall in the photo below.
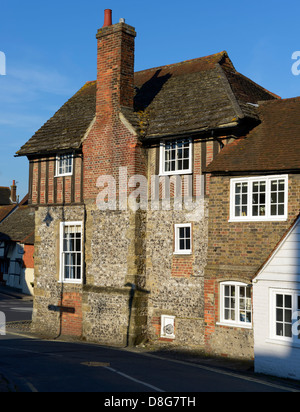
(278, 355)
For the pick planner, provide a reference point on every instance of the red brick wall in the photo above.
(28, 261)
(71, 323)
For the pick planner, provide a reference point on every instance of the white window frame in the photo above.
(295, 318)
(162, 162)
(234, 323)
(62, 278)
(250, 217)
(57, 167)
(177, 250)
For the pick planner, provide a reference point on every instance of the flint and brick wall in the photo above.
(48, 290)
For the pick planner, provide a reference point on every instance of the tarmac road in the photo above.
(15, 309)
(36, 365)
(29, 363)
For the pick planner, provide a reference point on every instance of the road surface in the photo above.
(54, 366)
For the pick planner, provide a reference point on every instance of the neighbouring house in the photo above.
(119, 254)
(17, 248)
(252, 274)
(8, 202)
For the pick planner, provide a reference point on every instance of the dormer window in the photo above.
(176, 157)
(64, 165)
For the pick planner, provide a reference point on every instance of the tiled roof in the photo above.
(191, 96)
(5, 210)
(66, 129)
(195, 95)
(19, 226)
(274, 145)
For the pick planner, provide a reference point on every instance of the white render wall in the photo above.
(273, 355)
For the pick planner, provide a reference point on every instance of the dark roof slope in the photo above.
(19, 226)
(272, 146)
(195, 95)
(66, 129)
(191, 96)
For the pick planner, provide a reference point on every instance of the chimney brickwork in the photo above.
(110, 144)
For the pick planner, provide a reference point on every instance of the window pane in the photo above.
(280, 210)
(279, 329)
(288, 330)
(273, 210)
(288, 316)
(288, 301)
(186, 164)
(274, 186)
(281, 185)
(279, 315)
(279, 301)
(188, 244)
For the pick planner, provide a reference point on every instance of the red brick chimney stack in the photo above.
(110, 143)
(115, 66)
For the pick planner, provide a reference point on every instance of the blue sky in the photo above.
(50, 50)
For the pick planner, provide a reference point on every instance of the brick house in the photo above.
(254, 203)
(114, 262)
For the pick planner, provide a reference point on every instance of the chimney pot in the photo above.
(107, 18)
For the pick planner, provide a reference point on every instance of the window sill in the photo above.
(283, 342)
(269, 219)
(71, 282)
(176, 172)
(234, 325)
(182, 253)
(64, 175)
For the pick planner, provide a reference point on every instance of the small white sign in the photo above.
(167, 327)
